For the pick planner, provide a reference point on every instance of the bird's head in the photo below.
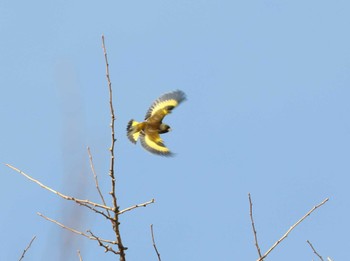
(164, 128)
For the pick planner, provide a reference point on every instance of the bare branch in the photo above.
(136, 206)
(154, 243)
(82, 202)
(115, 222)
(26, 249)
(253, 225)
(101, 243)
(96, 179)
(76, 231)
(111, 149)
(313, 249)
(79, 255)
(291, 228)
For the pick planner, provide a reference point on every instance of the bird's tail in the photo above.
(133, 130)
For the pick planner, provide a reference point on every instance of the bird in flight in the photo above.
(150, 129)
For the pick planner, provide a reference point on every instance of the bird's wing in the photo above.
(152, 142)
(164, 105)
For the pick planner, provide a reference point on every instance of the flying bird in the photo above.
(150, 129)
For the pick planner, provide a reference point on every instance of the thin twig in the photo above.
(253, 225)
(154, 243)
(136, 206)
(115, 223)
(313, 249)
(26, 249)
(107, 248)
(76, 231)
(291, 228)
(82, 202)
(79, 255)
(96, 179)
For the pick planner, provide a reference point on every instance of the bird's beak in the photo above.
(169, 129)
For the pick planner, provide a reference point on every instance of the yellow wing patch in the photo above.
(133, 130)
(166, 103)
(154, 144)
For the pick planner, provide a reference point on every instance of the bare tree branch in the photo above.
(291, 228)
(253, 225)
(154, 243)
(82, 202)
(101, 209)
(107, 247)
(26, 249)
(79, 255)
(115, 223)
(136, 206)
(76, 231)
(313, 249)
(96, 179)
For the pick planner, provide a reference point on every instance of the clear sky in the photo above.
(268, 87)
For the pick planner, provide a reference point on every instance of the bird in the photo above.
(150, 129)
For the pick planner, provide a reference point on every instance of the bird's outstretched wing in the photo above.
(152, 142)
(164, 105)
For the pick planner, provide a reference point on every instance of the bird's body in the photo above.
(148, 131)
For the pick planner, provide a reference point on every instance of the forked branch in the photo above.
(111, 213)
(261, 258)
(75, 231)
(83, 202)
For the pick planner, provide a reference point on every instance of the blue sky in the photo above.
(267, 113)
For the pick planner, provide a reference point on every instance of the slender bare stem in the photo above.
(253, 225)
(83, 202)
(136, 206)
(313, 249)
(74, 230)
(154, 243)
(26, 249)
(115, 223)
(79, 255)
(291, 228)
(96, 179)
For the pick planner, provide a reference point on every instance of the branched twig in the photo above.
(26, 249)
(76, 231)
(253, 225)
(101, 209)
(313, 249)
(115, 222)
(154, 243)
(101, 243)
(82, 202)
(136, 206)
(96, 179)
(291, 228)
